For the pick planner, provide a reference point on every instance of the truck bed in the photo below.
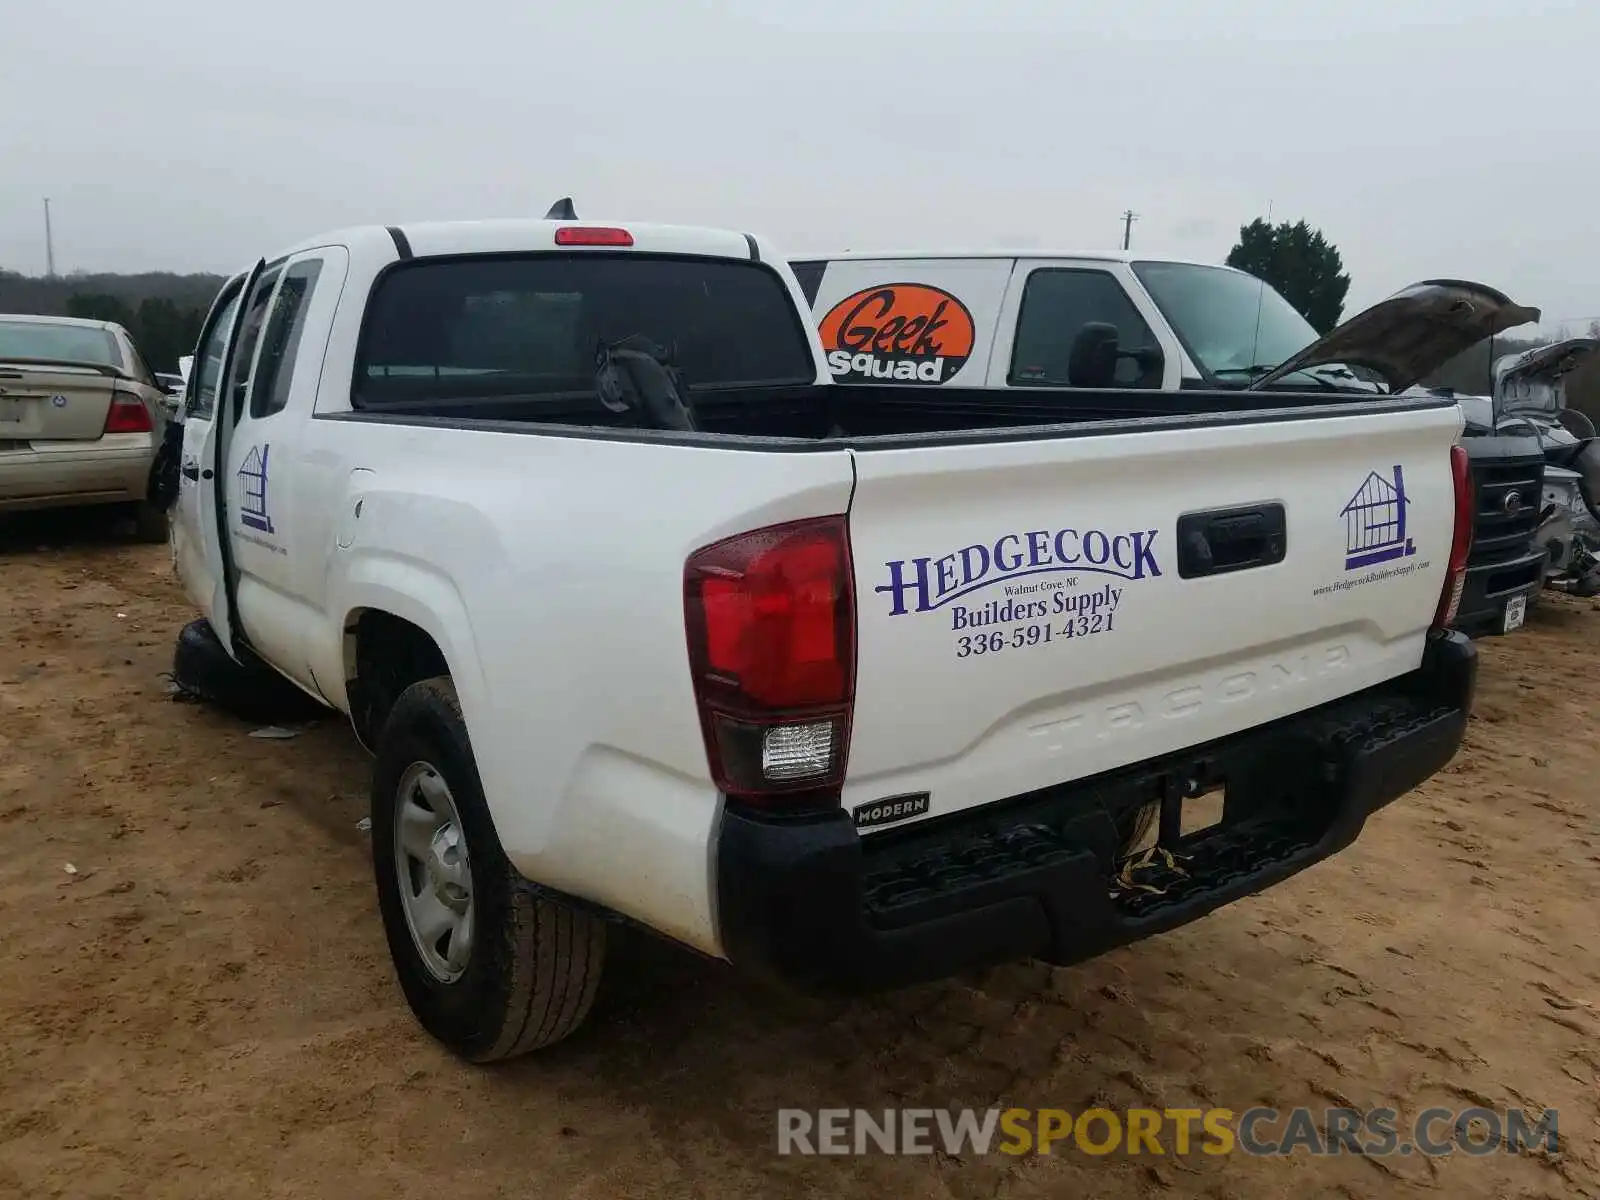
(828, 414)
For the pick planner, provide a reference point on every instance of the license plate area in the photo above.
(10, 411)
(1516, 613)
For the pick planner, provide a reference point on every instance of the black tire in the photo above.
(149, 523)
(205, 671)
(535, 962)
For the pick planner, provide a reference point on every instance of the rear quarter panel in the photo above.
(550, 571)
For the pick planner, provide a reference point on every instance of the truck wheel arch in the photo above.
(385, 653)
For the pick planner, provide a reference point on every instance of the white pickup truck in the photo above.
(645, 619)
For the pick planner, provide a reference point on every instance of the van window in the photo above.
(1057, 302)
(809, 275)
(1233, 325)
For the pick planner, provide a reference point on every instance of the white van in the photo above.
(996, 319)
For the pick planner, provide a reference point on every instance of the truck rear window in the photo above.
(504, 326)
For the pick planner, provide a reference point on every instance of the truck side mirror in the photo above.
(1092, 362)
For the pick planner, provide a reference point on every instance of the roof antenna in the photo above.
(562, 210)
(1261, 300)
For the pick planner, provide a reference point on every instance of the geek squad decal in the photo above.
(1024, 590)
(902, 332)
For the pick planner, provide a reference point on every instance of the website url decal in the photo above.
(1373, 576)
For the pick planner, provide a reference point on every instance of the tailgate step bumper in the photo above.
(1036, 876)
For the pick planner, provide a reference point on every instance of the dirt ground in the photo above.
(202, 1005)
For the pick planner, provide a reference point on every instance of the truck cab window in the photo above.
(530, 326)
(208, 364)
(269, 390)
(244, 354)
(1058, 306)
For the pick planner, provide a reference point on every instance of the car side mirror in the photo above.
(1092, 362)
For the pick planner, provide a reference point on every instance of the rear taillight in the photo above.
(1460, 541)
(592, 235)
(771, 625)
(127, 414)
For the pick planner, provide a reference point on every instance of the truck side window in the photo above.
(208, 364)
(1057, 303)
(269, 390)
(249, 334)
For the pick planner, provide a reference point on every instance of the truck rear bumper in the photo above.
(1035, 876)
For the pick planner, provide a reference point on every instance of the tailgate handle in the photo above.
(1231, 539)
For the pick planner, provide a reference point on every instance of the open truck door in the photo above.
(198, 524)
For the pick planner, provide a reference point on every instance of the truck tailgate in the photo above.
(1038, 611)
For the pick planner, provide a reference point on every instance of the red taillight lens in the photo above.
(1460, 541)
(771, 626)
(590, 235)
(127, 414)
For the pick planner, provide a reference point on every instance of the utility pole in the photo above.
(1128, 218)
(49, 243)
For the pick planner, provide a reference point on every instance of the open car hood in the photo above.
(1412, 333)
(1534, 383)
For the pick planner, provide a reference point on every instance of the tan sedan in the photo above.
(81, 416)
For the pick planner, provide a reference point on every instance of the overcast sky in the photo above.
(1425, 137)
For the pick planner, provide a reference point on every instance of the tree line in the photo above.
(162, 311)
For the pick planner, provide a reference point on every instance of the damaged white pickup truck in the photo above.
(645, 619)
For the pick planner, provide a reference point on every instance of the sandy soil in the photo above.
(205, 1008)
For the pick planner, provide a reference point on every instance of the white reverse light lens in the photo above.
(790, 752)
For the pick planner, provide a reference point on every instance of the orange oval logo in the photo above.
(898, 332)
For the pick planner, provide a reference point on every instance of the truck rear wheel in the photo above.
(490, 968)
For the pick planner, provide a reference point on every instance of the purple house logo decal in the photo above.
(253, 490)
(1375, 521)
